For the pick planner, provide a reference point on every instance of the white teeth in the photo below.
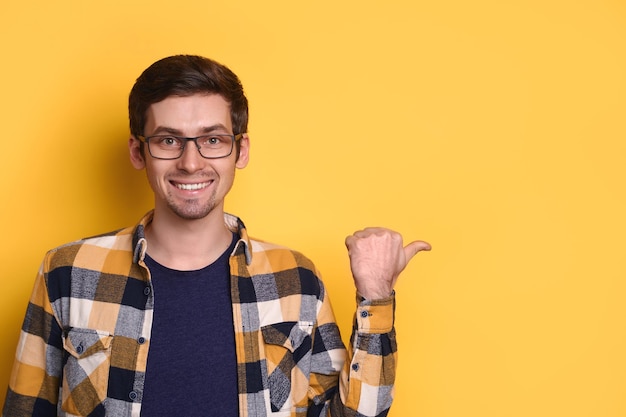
(192, 186)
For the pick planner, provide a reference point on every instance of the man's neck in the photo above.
(187, 245)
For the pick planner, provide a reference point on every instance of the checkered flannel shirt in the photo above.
(86, 336)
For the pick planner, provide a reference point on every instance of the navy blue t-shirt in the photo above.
(192, 367)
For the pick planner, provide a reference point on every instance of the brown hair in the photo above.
(185, 75)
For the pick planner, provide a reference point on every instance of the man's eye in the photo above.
(168, 141)
(211, 141)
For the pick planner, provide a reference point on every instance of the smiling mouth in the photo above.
(192, 187)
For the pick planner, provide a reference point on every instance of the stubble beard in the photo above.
(192, 209)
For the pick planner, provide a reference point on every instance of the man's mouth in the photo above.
(192, 187)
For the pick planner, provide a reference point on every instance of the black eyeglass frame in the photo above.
(235, 138)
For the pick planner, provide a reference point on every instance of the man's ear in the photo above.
(244, 151)
(136, 153)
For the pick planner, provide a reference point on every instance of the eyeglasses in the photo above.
(212, 146)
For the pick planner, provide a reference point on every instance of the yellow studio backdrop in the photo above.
(492, 129)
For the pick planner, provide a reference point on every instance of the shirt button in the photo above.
(80, 349)
(132, 395)
(364, 314)
(141, 340)
(146, 291)
(355, 367)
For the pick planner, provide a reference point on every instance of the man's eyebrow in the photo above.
(160, 130)
(218, 127)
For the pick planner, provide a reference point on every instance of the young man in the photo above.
(185, 314)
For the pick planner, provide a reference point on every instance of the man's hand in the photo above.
(377, 256)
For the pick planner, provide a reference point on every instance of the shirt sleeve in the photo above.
(34, 382)
(365, 384)
(368, 377)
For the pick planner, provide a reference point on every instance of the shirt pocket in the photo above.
(288, 348)
(86, 370)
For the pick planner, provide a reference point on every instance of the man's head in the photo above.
(185, 75)
(187, 97)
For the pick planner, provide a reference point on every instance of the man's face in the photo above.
(190, 187)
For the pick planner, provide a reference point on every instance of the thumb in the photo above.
(414, 247)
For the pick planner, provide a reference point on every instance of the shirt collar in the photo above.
(233, 223)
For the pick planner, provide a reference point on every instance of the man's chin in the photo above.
(192, 211)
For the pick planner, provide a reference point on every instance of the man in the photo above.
(184, 314)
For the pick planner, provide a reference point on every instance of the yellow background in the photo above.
(493, 129)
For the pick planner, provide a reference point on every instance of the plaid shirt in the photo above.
(85, 340)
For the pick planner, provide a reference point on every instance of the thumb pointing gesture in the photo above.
(377, 256)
